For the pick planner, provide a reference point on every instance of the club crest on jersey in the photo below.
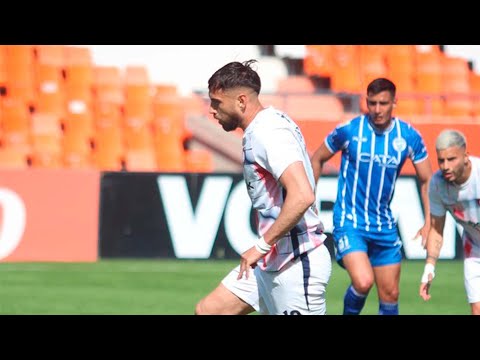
(399, 144)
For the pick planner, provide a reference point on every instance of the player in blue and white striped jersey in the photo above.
(374, 147)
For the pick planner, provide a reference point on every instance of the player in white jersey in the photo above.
(455, 188)
(288, 269)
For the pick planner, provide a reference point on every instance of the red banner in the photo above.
(49, 215)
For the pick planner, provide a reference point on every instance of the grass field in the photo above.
(169, 287)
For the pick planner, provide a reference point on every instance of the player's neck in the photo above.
(251, 113)
(466, 174)
(380, 129)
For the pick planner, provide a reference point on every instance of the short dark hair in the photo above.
(381, 84)
(235, 74)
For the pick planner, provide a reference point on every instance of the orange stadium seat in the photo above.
(53, 55)
(108, 153)
(107, 114)
(76, 150)
(15, 123)
(13, 159)
(169, 151)
(169, 115)
(141, 160)
(346, 75)
(165, 90)
(46, 124)
(372, 63)
(319, 60)
(20, 72)
(3, 66)
(50, 99)
(401, 65)
(78, 75)
(108, 84)
(475, 94)
(429, 81)
(78, 120)
(456, 87)
(138, 138)
(199, 160)
(46, 151)
(48, 67)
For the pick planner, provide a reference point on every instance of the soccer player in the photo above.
(288, 269)
(455, 188)
(374, 147)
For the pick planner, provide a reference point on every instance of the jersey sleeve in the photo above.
(338, 138)
(437, 208)
(417, 148)
(276, 150)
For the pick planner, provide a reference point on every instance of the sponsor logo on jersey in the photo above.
(380, 159)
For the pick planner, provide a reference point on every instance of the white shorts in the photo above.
(471, 269)
(298, 289)
(247, 290)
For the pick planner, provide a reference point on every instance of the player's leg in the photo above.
(352, 255)
(386, 257)
(362, 279)
(299, 288)
(231, 296)
(475, 308)
(472, 283)
(387, 278)
(222, 301)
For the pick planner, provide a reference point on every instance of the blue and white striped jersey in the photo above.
(371, 162)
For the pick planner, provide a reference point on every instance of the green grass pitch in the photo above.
(172, 287)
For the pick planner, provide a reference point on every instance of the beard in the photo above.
(230, 125)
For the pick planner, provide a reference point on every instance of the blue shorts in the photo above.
(382, 249)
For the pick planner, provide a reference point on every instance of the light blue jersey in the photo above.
(371, 162)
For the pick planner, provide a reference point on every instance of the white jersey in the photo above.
(271, 143)
(463, 203)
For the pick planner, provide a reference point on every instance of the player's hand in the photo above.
(427, 277)
(422, 234)
(248, 261)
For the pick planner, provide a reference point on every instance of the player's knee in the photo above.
(200, 308)
(363, 285)
(475, 308)
(389, 295)
(394, 295)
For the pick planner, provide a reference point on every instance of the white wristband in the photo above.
(262, 247)
(429, 269)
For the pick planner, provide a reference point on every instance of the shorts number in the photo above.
(293, 312)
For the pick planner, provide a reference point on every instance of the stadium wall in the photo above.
(205, 216)
(83, 216)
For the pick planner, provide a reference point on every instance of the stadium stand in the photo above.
(145, 108)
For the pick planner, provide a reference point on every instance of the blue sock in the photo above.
(353, 302)
(387, 308)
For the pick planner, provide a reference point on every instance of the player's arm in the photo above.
(433, 246)
(319, 158)
(424, 173)
(299, 197)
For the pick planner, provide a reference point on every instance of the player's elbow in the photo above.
(306, 200)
